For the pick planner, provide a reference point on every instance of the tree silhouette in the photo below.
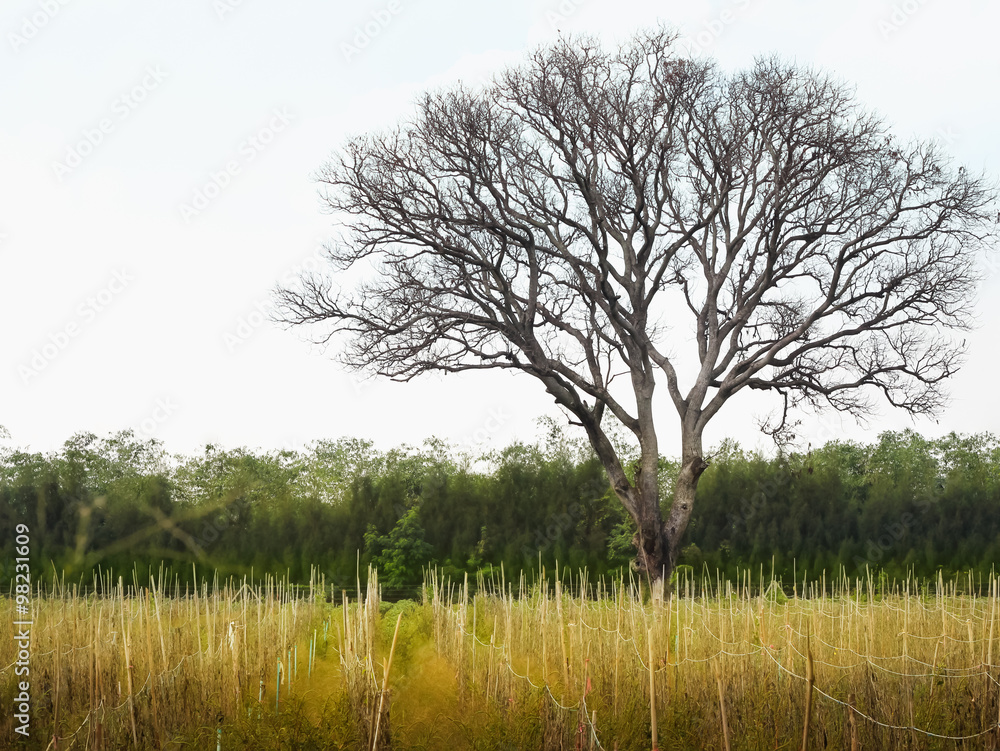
(592, 215)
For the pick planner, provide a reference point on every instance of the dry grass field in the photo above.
(495, 664)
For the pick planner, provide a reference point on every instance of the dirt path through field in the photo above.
(321, 690)
(425, 703)
(423, 692)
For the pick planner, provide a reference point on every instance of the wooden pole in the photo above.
(562, 638)
(722, 707)
(152, 685)
(810, 679)
(852, 722)
(652, 693)
(128, 665)
(385, 682)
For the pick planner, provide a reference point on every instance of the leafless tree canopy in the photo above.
(592, 213)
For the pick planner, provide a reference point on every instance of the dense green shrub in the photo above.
(902, 503)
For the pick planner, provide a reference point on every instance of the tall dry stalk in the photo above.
(810, 679)
(722, 707)
(652, 693)
(385, 683)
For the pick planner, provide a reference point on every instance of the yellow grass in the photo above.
(137, 666)
(901, 667)
(504, 665)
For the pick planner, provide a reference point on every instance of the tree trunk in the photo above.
(658, 541)
(652, 544)
(692, 466)
(652, 559)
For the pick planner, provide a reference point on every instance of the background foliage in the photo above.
(901, 503)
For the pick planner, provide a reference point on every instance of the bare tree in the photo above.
(592, 213)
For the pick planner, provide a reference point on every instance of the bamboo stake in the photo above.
(97, 664)
(128, 665)
(652, 693)
(618, 641)
(385, 681)
(809, 686)
(474, 637)
(76, 615)
(55, 708)
(159, 625)
(852, 722)
(152, 686)
(562, 637)
(91, 663)
(545, 657)
(489, 662)
(722, 707)
(197, 620)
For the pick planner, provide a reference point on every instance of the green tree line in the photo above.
(903, 503)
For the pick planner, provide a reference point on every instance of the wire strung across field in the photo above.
(70, 626)
(743, 648)
(580, 707)
(909, 728)
(104, 711)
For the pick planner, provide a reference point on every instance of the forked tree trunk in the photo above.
(653, 561)
(693, 464)
(658, 540)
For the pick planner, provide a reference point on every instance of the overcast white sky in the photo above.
(128, 302)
